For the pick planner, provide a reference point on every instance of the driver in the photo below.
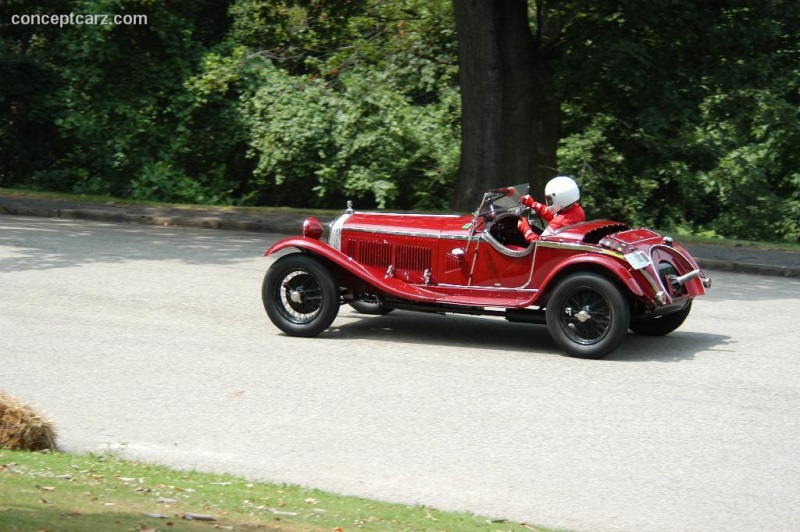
(562, 209)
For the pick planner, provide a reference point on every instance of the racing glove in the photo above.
(525, 229)
(528, 201)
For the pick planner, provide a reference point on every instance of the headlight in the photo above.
(312, 228)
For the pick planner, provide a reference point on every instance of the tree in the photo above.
(510, 125)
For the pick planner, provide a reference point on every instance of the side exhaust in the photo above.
(689, 276)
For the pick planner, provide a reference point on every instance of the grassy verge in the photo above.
(21, 193)
(687, 238)
(66, 492)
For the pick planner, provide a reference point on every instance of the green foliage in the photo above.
(346, 121)
(298, 34)
(685, 114)
(757, 177)
(364, 141)
(679, 114)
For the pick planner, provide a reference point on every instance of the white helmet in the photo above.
(561, 192)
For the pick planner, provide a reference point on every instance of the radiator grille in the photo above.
(412, 258)
(382, 254)
(375, 253)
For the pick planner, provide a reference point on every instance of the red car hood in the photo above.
(407, 223)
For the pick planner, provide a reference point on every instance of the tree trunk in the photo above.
(509, 123)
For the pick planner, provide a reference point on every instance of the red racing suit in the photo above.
(569, 215)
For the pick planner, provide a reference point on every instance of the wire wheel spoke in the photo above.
(300, 296)
(586, 316)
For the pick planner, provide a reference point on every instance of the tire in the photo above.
(300, 295)
(587, 315)
(373, 308)
(662, 325)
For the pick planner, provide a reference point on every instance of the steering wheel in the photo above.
(536, 222)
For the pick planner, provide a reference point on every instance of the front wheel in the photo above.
(300, 295)
(587, 315)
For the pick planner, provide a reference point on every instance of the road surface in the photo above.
(153, 341)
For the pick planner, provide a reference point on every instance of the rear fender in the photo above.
(683, 263)
(597, 262)
(389, 285)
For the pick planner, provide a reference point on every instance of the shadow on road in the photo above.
(499, 335)
(677, 346)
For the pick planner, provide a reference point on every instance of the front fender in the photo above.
(300, 242)
(389, 285)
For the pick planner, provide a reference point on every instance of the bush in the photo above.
(22, 428)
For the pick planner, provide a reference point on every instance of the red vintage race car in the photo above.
(589, 282)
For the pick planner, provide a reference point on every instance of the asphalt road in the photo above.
(153, 341)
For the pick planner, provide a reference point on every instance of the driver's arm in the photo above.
(540, 208)
(527, 232)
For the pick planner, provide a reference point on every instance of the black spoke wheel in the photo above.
(300, 295)
(587, 315)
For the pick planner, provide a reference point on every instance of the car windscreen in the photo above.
(503, 198)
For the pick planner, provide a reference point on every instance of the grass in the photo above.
(69, 492)
(682, 235)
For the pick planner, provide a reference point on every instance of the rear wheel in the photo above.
(663, 324)
(587, 315)
(300, 295)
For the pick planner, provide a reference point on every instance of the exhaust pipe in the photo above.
(680, 281)
(687, 277)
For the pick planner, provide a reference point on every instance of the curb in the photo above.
(741, 267)
(261, 225)
(290, 225)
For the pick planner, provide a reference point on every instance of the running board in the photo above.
(515, 315)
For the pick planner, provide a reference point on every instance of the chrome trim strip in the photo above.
(649, 278)
(492, 288)
(411, 214)
(335, 238)
(401, 232)
(504, 250)
(579, 247)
